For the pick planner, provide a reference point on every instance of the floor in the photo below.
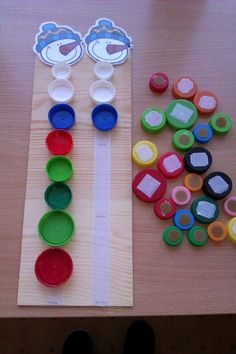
(175, 335)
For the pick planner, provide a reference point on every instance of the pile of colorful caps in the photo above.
(54, 266)
(150, 184)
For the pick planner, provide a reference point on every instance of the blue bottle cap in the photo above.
(104, 117)
(203, 133)
(61, 116)
(184, 219)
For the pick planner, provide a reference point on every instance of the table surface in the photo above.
(178, 37)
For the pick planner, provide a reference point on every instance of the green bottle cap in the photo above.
(183, 139)
(58, 195)
(153, 120)
(205, 209)
(198, 236)
(59, 168)
(56, 228)
(173, 236)
(181, 114)
(221, 123)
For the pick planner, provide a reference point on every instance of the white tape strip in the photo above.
(101, 218)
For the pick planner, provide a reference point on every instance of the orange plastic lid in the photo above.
(184, 87)
(205, 101)
(217, 231)
(193, 182)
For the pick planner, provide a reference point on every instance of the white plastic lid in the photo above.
(61, 91)
(103, 70)
(61, 71)
(102, 91)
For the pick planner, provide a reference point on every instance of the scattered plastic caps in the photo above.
(205, 101)
(184, 87)
(144, 153)
(159, 82)
(181, 114)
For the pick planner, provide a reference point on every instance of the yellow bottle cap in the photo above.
(144, 153)
(232, 229)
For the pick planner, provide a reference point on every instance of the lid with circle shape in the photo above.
(144, 153)
(183, 219)
(102, 91)
(230, 205)
(61, 116)
(203, 133)
(59, 168)
(198, 236)
(183, 140)
(103, 70)
(104, 117)
(171, 164)
(159, 82)
(58, 195)
(61, 91)
(232, 229)
(181, 114)
(165, 208)
(61, 70)
(221, 123)
(197, 160)
(149, 185)
(205, 101)
(184, 87)
(193, 182)
(217, 231)
(53, 267)
(181, 195)
(217, 185)
(153, 120)
(173, 236)
(205, 210)
(59, 142)
(56, 228)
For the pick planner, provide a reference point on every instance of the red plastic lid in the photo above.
(59, 142)
(53, 267)
(159, 82)
(171, 164)
(149, 185)
(165, 208)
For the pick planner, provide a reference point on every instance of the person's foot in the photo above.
(140, 339)
(78, 342)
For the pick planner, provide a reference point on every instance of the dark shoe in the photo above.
(78, 342)
(140, 339)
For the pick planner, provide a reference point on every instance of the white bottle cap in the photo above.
(61, 70)
(61, 91)
(102, 91)
(103, 70)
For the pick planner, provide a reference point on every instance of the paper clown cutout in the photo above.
(56, 43)
(107, 42)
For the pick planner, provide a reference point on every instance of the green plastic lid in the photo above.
(198, 236)
(173, 236)
(221, 123)
(205, 209)
(59, 168)
(183, 139)
(58, 195)
(181, 114)
(153, 120)
(56, 228)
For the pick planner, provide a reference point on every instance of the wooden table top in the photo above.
(178, 37)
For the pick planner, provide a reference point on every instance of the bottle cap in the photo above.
(59, 142)
(221, 123)
(183, 219)
(181, 114)
(203, 133)
(61, 116)
(193, 182)
(184, 87)
(144, 153)
(198, 236)
(149, 185)
(232, 229)
(61, 70)
(59, 168)
(58, 195)
(53, 267)
(205, 210)
(217, 231)
(153, 120)
(183, 140)
(217, 185)
(205, 101)
(180, 195)
(61, 91)
(230, 205)
(165, 208)
(159, 82)
(173, 236)
(102, 91)
(104, 117)
(171, 164)
(103, 70)
(197, 160)
(56, 228)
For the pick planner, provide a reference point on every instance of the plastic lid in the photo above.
(104, 117)
(230, 205)
(102, 91)
(59, 168)
(171, 164)
(193, 182)
(144, 153)
(198, 236)
(205, 210)
(103, 70)
(221, 123)
(232, 229)
(58, 195)
(173, 236)
(61, 90)
(183, 219)
(197, 160)
(56, 228)
(217, 231)
(181, 114)
(61, 70)
(159, 82)
(61, 116)
(165, 208)
(183, 140)
(149, 185)
(153, 120)
(53, 267)
(203, 133)
(205, 101)
(184, 87)
(59, 142)
(217, 185)
(181, 195)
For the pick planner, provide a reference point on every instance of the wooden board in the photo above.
(79, 289)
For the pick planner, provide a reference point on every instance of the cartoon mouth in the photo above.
(67, 48)
(115, 48)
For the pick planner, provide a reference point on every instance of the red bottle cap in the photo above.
(149, 185)
(159, 82)
(59, 142)
(171, 164)
(165, 208)
(53, 267)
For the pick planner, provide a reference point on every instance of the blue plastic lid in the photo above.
(202, 133)
(61, 116)
(104, 117)
(184, 219)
